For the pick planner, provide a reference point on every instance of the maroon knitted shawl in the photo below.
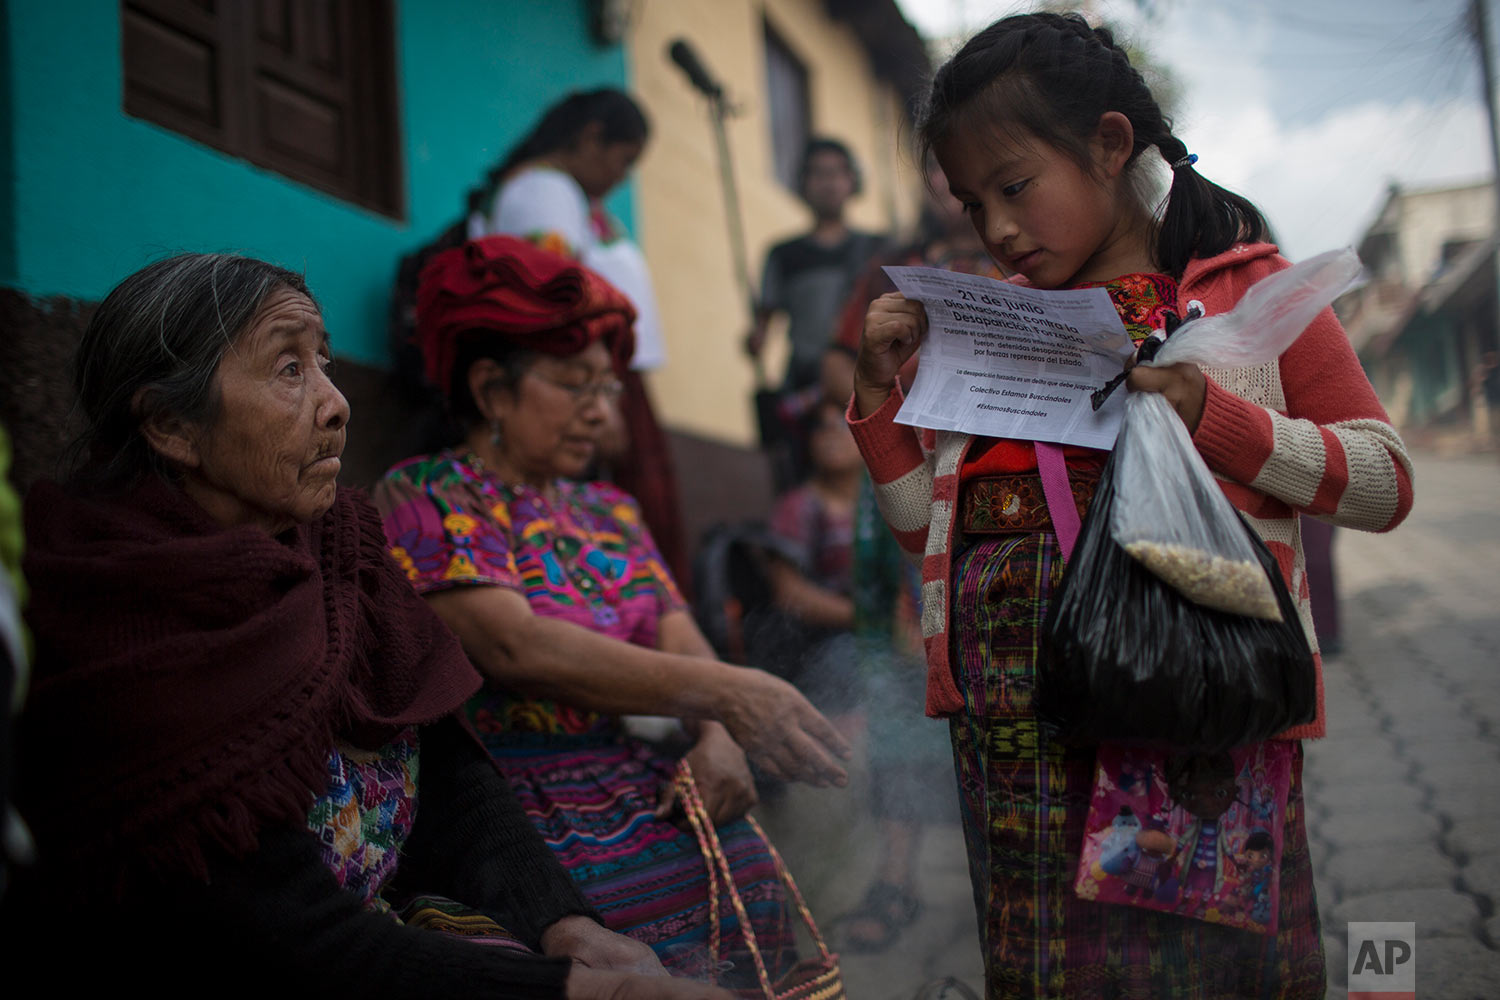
(191, 679)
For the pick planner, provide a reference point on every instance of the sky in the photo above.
(1310, 108)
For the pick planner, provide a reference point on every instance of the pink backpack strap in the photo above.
(1053, 470)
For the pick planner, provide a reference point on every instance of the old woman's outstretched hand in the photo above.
(781, 731)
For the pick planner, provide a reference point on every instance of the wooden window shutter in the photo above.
(303, 87)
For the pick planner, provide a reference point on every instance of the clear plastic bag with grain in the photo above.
(1169, 512)
(1172, 624)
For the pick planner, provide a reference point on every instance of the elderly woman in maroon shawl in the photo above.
(235, 686)
(559, 595)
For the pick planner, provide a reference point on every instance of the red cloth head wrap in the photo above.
(513, 290)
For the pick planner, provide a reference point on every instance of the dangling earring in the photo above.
(495, 433)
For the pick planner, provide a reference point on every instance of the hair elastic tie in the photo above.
(1186, 161)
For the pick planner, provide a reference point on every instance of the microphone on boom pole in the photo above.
(687, 60)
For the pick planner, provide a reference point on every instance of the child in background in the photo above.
(1052, 140)
(810, 569)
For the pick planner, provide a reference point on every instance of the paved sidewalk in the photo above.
(1404, 795)
(830, 843)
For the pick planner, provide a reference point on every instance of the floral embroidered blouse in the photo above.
(587, 559)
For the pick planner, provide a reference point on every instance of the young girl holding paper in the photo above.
(1051, 139)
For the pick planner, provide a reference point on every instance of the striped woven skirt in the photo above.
(593, 799)
(1025, 799)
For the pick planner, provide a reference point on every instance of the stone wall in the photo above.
(37, 340)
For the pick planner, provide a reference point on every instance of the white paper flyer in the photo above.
(1002, 360)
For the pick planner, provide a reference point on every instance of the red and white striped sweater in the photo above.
(1304, 434)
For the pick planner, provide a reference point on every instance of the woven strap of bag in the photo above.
(718, 866)
(1053, 470)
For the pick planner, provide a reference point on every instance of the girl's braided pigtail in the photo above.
(1201, 219)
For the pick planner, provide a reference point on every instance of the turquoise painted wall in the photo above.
(7, 161)
(91, 194)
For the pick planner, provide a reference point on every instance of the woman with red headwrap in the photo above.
(560, 598)
(549, 189)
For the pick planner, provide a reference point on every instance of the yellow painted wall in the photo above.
(680, 216)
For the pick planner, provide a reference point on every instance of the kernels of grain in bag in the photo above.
(1240, 588)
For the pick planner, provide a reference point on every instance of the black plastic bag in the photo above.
(1126, 657)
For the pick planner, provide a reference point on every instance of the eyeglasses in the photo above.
(607, 389)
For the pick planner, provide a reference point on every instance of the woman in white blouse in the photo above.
(550, 189)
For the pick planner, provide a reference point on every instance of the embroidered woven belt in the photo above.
(1004, 505)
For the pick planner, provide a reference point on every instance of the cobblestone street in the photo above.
(1404, 795)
